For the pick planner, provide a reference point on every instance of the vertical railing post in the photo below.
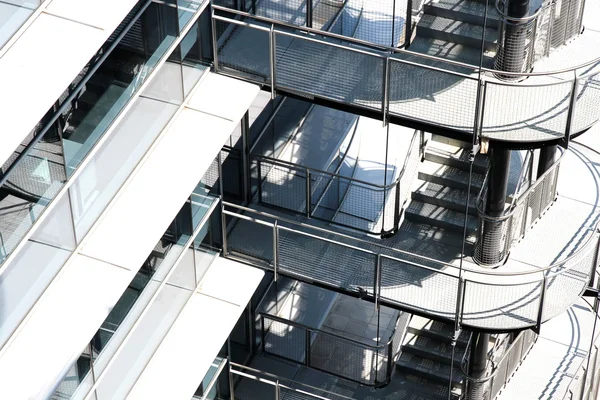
(307, 346)
(408, 24)
(253, 6)
(275, 249)
(277, 390)
(262, 332)
(308, 194)
(245, 160)
(272, 59)
(571, 111)
(386, 88)
(309, 13)
(376, 283)
(459, 304)
(224, 230)
(259, 184)
(541, 307)
(214, 39)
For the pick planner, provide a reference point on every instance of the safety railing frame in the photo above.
(309, 333)
(387, 54)
(542, 276)
(309, 174)
(507, 221)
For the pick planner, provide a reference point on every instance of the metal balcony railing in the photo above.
(397, 83)
(335, 198)
(472, 298)
(496, 235)
(367, 364)
(501, 372)
(280, 387)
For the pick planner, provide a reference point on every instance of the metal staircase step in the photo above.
(469, 11)
(415, 387)
(449, 176)
(449, 51)
(442, 217)
(433, 349)
(455, 31)
(444, 196)
(429, 369)
(454, 156)
(435, 330)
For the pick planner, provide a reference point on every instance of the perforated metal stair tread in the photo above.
(449, 176)
(444, 196)
(414, 387)
(456, 31)
(435, 329)
(435, 371)
(464, 10)
(453, 156)
(439, 216)
(433, 349)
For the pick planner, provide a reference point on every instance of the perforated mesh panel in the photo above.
(525, 113)
(339, 74)
(442, 98)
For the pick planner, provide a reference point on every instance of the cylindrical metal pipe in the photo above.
(547, 156)
(497, 181)
(478, 366)
(512, 47)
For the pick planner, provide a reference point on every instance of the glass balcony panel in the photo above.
(113, 163)
(13, 14)
(29, 187)
(116, 81)
(186, 10)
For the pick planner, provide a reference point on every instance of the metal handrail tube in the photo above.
(328, 232)
(337, 169)
(397, 50)
(374, 244)
(521, 198)
(319, 331)
(273, 376)
(321, 41)
(67, 102)
(319, 171)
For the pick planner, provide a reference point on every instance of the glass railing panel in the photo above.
(33, 269)
(39, 174)
(116, 81)
(214, 382)
(13, 14)
(186, 10)
(112, 164)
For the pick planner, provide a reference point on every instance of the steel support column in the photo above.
(512, 46)
(547, 156)
(478, 367)
(497, 181)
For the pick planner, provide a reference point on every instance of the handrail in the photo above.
(527, 163)
(291, 381)
(337, 169)
(521, 198)
(394, 50)
(517, 20)
(308, 331)
(74, 93)
(481, 271)
(317, 330)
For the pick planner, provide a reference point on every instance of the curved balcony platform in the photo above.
(561, 97)
(420, 271)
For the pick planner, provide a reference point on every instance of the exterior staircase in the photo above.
(425, 366)
(453, 29)
(440, 193)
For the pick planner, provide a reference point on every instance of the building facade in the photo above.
(318, 199)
